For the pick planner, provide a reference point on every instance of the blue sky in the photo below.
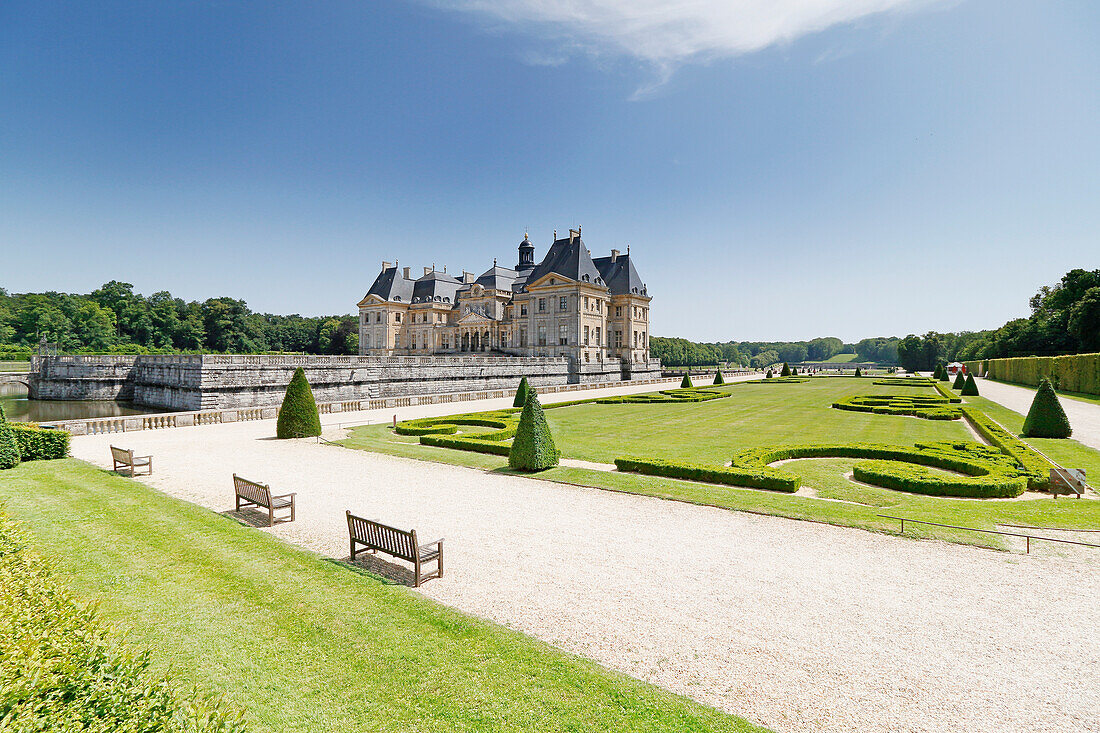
(843, 167)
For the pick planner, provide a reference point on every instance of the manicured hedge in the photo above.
(38, 444)
(970, 387)
(988, 473)
(765, 478)
(777, 380)
(905, 382)
(920, 480)
(9, 446)
(927, 407)
(298, 417)
(695, 394)
(1032, 465)
(476, 445)
(947, 393)
(64, 670)
(533, 447)
(1073, 373)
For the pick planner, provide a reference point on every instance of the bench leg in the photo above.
(292, 509)
(416, 574)
(270, 517)
(441, 561)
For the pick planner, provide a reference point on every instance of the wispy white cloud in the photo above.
(667, 33)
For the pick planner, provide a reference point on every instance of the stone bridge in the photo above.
(15, 378)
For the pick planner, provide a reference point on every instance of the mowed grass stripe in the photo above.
(308, 644)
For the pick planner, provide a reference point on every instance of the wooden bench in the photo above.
(250, 493)
(121, 458)
(396, 542)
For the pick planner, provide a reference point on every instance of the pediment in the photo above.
(370, 299)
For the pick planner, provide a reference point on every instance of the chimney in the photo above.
(407, 273)
(468, 277)
(386, 265)
(573, 233)
(614, 255)
(427, 270)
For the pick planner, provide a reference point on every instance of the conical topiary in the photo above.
(521, 393)
(794, 371)
(858, 372)
(298, 417)
(533, 447)
(785, 371)
(944, 376)
(768, 375)
(718, 379)
(686, 383)
(960, 381)
(9, 447)
(970, 387)
(1046, 418)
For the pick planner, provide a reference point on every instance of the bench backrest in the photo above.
(396, 542)
(122, 456)
(254, 492)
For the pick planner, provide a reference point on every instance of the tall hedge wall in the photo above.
(1073, 373)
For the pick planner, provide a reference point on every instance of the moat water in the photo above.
(13, 398)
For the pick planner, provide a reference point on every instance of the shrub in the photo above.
(960, 381)
(924, 406)
(1073, 373)
(521, 394)
(36, 444)
(766, 478)
(533, 447)
(718, 379)
(970, 387)
(1046, 418)
(945, 392)
(685, 383)
(298, 417)
(785, 371)
(1033, 465)
(859, 372)
(944, 376)
(10, 454)
(768, 375)
(64, 670)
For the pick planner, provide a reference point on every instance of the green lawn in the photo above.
(842, 358)
(307, 644)
(765, 414)
(15, 366)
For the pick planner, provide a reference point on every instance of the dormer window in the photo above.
(584, 277)
(397, 298)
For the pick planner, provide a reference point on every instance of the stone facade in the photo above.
(594, 312)
(223, 382)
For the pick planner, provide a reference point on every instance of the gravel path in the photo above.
(797, 625)
(1084, 417)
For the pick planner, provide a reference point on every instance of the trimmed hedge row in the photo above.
(905, 382)
(763, 478)
(38, 444)
(989, 474)
(947, 393)
(1072, 373)
(777, 380)
(1032, 465)
(695, 394)
(927, 407)
(64, 670)
(921, 480)
(476, 445)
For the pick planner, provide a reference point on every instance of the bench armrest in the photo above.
(291, 495)
(433, 542)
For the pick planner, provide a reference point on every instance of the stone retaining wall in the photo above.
(216, 382)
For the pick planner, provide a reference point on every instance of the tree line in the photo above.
(759, 354)
(1065, 319)
(115, 319)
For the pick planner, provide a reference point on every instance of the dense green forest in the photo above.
(116, 319)
(681, 352)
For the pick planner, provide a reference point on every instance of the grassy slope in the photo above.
(306, 644)
(842, 358)
(766, 414)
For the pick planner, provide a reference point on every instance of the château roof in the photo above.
(497, 278)
(569, 258)
(391, 285)
(620, 275)
(435, 286)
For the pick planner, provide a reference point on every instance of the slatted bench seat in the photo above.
(396, 542)
(250, 493)
(122, 458)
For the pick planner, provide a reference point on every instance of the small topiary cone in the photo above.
(533, 447)
(960, 381)
(858, 372)
(298, 417)
(686, 383)
(970, 387)
(1046, 418)
(785, 371)
(718, 377)
(521, 393)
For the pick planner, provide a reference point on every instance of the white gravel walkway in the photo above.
(1084, 417)
(796, 625)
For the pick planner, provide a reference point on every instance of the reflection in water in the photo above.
(18, 408)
